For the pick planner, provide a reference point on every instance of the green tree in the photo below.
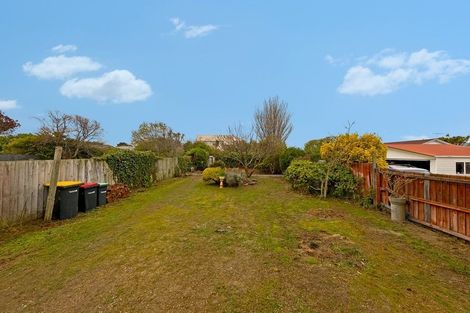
(455, 140)
(188, 145)
(199, 157)
(312, 148)
(288, 156)
(159, 138)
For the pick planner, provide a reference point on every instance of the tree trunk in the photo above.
(325, 183)
(249, 172)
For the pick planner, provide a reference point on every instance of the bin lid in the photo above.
(66, 183)
(103, 184)
(88, 185)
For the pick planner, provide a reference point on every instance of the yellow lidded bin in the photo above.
(66, 199)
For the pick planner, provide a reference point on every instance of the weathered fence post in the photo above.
(427, 207)
(373, 183)
(53, 184)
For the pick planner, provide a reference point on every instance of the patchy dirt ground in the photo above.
(188, 247)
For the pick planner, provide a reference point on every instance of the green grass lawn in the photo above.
(184, 246)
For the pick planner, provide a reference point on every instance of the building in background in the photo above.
(215, 141)
(437, 157)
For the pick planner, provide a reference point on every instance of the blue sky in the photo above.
(401, 70)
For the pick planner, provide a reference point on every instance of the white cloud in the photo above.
(64, 48)
(61, 67)
(333, 61)
(192, 31)
(389, 71)
(8, 104)
(118, 86)
(199, 31)
(178, 23)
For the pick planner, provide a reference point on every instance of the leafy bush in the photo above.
(191, 145)
(366, 198)
(312, 148)
(184, 166)
(4, 140)
(233, 179)
(199, 158)
(288, 156)
(343, 182)
(133, 168)
(229, 160)
(29, 144)
(218, 163)
(212, 174)
(308, 176)
(305, 176)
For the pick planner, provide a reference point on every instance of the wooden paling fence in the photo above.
(22, 195)
(165, 168)
(441, 202)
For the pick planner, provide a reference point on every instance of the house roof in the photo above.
(214, 137)
(436, 150)
(422, 141)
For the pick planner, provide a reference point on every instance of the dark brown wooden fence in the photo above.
(438, 201)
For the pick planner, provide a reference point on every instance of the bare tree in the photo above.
(73, 132)
(56, 127)
(349, 126)
(244, 149)
(272, 122)
(84, 131)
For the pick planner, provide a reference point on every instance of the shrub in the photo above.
(288, 156)
(191, 145)
(308, 176)
(184, 166)
(233, 179)
(29, 144)
(212, 174)
(229, 160)
(133, 168)
(199, 158)
(218, 163)
(305, 176)
(343, 182)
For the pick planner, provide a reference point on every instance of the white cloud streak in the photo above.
(389, 71)
(61, 67)
(118, 86)
(64, 48)
(333, 60)
(8, 105)
(192, 31)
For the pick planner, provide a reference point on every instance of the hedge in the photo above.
(133, 168)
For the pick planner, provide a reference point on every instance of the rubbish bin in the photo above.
(66, 199)
(102, 189)
(87, 197)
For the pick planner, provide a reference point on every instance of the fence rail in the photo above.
(441, 202)
(22, 182)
